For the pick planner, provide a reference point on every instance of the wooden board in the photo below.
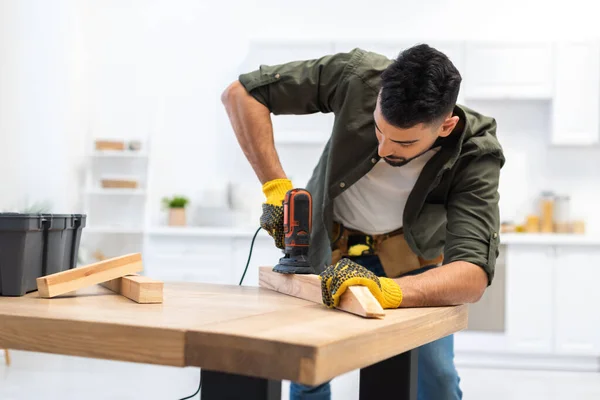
(356, 300)
(140, 289)
(236, 329)
(119, 183)
(77, 278)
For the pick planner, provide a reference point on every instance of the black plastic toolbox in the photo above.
(34, 245)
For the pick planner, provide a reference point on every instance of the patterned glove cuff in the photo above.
(392, 294)
(275, 190)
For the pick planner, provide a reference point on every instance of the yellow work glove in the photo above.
(271, 219)
(336, 279)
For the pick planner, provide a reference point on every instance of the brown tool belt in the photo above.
(393, 251)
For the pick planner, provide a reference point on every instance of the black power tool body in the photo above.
(297, 225)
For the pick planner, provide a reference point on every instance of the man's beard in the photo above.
(402, 161)
(397, 162)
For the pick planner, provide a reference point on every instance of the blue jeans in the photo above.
(437, 375)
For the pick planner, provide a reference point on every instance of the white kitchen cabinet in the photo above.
(264, 253)
(189, 258)
(577, 319)
(508, 71)
(529, 298)
(552, 295)
(576, 101)
(206, 268)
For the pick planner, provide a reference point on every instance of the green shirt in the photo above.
(453, 207)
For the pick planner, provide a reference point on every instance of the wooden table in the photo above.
(244, 339)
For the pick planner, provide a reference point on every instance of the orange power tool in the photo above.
(297, 224)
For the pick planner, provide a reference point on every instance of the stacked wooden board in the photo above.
(119, 274)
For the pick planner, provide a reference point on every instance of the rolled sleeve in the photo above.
(473, 215)
(299, 87)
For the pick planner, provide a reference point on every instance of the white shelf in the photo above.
(118, 154)
(205, 231)
(116, 192)
(550, 239)
(113, 229)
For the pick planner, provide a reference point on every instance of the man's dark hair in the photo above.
(420, 86)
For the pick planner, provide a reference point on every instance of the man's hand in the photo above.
(336, 279)
(271, 219)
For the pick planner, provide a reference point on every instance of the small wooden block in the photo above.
(77, 278)
(360, 301)
(356, 300)
(119, 183)
(140, 289)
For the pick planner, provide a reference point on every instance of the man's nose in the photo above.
(384, 149)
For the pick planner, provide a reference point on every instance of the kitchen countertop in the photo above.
(505, 238)
(550, 239)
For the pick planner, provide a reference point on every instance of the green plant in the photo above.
(43, 207)
(175, 202)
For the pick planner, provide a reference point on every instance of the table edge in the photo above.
(94, 339)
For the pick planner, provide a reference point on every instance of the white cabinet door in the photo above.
(577, 319)
(508, 70)
(264, 253)
(576, 103)
(529, 298)
(189, 259)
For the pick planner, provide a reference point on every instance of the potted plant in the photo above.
(176, 206)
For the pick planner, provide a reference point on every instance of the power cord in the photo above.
(249, 256)
(240, 284)
(197, 391)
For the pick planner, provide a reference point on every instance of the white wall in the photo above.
(161, 67)
(534, 165)
(157, 68)
(43, 102)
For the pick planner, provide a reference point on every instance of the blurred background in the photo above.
(112, 109)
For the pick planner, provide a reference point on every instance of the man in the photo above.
(405, 195)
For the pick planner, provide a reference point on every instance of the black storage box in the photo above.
(34, 245)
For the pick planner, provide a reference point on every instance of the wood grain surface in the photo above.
(77, 278)
(244, 330)
(356, 300)
(138, 288)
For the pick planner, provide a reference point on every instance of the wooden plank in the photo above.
(77, 278)
(140, 289)
(356, 300)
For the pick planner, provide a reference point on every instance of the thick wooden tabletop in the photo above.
(243, 330)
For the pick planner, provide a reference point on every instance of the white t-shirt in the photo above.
(375, 203)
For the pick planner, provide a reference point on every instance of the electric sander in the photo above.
(297, 224)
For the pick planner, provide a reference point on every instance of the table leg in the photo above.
(395, 377)
(225, 386)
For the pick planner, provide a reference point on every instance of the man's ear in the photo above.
(448, 126)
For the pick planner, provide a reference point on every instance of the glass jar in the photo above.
(547, 203)
(562, 214)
